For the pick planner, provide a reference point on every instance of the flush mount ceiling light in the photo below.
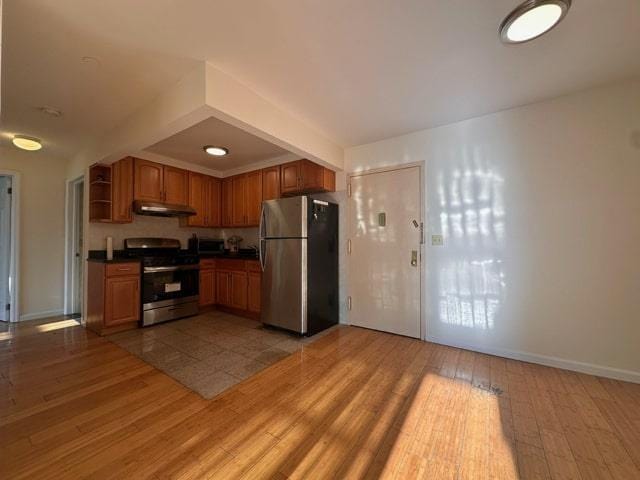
(531, 19)
(27, 143)
(215, 151)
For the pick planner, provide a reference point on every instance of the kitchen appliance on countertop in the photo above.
(299, 258)
(170, 278)
(206, 245)
(234, 242)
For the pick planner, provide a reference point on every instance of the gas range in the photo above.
(170, 278)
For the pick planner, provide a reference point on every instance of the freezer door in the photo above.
(284, 284)
(284, 218)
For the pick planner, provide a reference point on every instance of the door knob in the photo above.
(414, 258)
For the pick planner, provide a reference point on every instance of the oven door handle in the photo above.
(173, 268)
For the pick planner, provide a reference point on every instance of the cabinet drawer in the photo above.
(253, 266)
(117, 269)
(231, 265)
(207, 263)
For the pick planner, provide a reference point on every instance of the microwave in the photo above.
(206, 246)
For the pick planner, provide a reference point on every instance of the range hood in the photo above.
(158, 209)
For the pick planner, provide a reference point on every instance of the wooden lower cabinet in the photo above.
(254, 284)
(207, 287)
(122, 300)
(231, 284)
(238, 290)
(113, 301)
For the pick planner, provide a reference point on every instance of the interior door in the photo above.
(384, 263)
(5, 245)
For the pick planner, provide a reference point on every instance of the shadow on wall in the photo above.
(472, 217)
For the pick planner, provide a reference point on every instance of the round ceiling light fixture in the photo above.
(531, 19)
(216, 151)
(27, 143)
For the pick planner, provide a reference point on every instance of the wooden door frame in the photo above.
(70, 219)
(423, 215)
(14, 250)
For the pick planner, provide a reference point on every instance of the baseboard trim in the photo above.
(575, 366)
(38, 315)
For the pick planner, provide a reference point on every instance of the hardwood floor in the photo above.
(354, 404)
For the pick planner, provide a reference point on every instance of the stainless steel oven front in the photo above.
(169, 292)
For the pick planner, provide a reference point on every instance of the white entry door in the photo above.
(5, 246)
(384, 244)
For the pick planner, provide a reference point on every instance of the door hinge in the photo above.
(9, 190)
(349, 246)
(8, 307)
(349, 189)
(349, 303)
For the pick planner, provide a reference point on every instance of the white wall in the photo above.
(41, 229)
(540, 210)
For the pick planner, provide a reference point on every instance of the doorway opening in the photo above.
(9, 194)
(74, 247)
(384, 250)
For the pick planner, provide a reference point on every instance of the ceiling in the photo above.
(356, 70)
(244, 148)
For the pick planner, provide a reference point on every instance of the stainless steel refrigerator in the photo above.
(299, 260)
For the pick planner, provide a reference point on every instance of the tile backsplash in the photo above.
(166, 227)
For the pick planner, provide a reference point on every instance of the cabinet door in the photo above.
(148, 181)
(253, 292)
(312, 176)
(222, 288)
(176, 186)
(238, 208)
(226, 195)
(198, 191)
(290, 177)
(239, 290)
(328, 180)
(253, 197)
(122, 190)
(271, 183)
(122, 300)
(214, 200)
(207, 287)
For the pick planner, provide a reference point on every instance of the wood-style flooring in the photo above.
(354, 404)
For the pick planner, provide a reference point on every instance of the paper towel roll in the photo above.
(109, 248)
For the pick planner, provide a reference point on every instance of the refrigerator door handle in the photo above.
(261, 226)
(261, 250)
(262, 254)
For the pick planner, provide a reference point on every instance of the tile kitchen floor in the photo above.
(210, 352)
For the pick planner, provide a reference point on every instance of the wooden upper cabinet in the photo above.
(198, 192)
(253, 197)
(226, 203)
(176, 186)
(122, 190)
(238, 204)
(214, 199)
(304, 176)
(271, 183)
(311, 178)
(148, 181)
(290, 177)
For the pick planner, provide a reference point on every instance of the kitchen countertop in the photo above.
(119, 256)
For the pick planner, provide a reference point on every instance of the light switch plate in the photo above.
(437, 240)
